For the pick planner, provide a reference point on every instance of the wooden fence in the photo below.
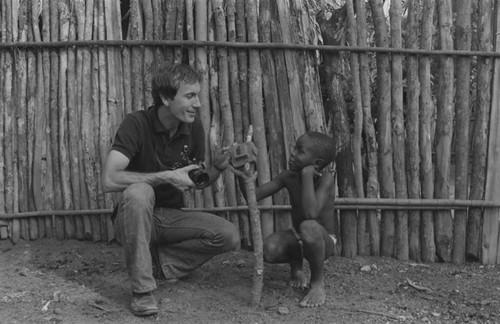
(71, 70)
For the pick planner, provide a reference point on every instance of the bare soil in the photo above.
(49, 281)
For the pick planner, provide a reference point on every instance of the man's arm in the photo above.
(313, 200)
(115, 178)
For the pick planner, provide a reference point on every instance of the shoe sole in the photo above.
(148, 312)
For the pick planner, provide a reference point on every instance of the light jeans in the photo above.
(184, 240)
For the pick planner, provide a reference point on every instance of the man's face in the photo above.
(185, 103)
(301, 154)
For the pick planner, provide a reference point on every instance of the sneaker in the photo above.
(144, 304)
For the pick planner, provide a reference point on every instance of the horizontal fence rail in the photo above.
(340, 203)
(245, 45)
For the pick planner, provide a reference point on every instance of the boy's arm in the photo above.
(313, 200)
(265, 190)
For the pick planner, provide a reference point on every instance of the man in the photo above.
(148, 163)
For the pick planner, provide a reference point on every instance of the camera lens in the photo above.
(199, 177)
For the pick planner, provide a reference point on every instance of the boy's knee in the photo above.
(310, 229)
(271, 250)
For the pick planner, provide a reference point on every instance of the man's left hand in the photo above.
(221, 158)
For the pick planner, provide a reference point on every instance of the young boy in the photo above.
(311, 190)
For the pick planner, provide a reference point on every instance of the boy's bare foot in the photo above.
(298, 280)
(315, 297)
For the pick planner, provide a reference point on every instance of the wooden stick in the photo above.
(147, 10)
(136, 32)
(3, 107)
(225, 105)
(425, 126)
(215, 127)
(412, 123)
(398, 131)
(92, 131)
(47, 180)
(443, 224)
(249, 176)
(54, 122)
(479, 137)
(257, 113)
(357, 140)
(272, 113)
(74, 112)
(84, 12)
(197, 194)
(491, 217)
(201, 33)
(179, 29)
(170, 26)
(64, 90)
(20, 113)
(249, 45)
(39, 123)
(115, 90)
(384, 136)
(102, 116)
(463, 35)
(32, 105)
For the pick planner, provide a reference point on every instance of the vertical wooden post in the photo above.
(425, 132)
(372, 187)
(256, 111)
(412, 119)
(492, 215)
(463, 109)
(384, 136)
(479, 145)
(398, 132)
(201, 25)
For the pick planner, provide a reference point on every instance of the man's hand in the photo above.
(221, 158)
(179, 178)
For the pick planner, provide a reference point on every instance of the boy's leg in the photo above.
(318, 246)
(186, 240)
(284, 247)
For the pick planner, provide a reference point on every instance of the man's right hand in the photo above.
(179, 178)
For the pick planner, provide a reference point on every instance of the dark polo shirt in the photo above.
(142, 138)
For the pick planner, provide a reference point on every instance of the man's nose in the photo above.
(197, 102)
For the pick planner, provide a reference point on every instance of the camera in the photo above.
(198, 176)
(243, 154)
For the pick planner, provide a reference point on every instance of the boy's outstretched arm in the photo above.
(313, 199)
(262, 191)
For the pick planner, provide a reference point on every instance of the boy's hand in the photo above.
(310, 170)
(248, 173)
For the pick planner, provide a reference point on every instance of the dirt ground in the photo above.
(49, 281)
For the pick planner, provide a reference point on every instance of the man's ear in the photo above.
(319, 164)
(165, 100)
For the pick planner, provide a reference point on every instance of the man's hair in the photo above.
(167, 80)
(323, 147)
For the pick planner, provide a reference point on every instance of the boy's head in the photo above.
(313, 148)
(167, 80)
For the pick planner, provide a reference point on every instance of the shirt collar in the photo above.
(158, 126)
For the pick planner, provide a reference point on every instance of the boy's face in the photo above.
(301, 155)
(185, 103)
